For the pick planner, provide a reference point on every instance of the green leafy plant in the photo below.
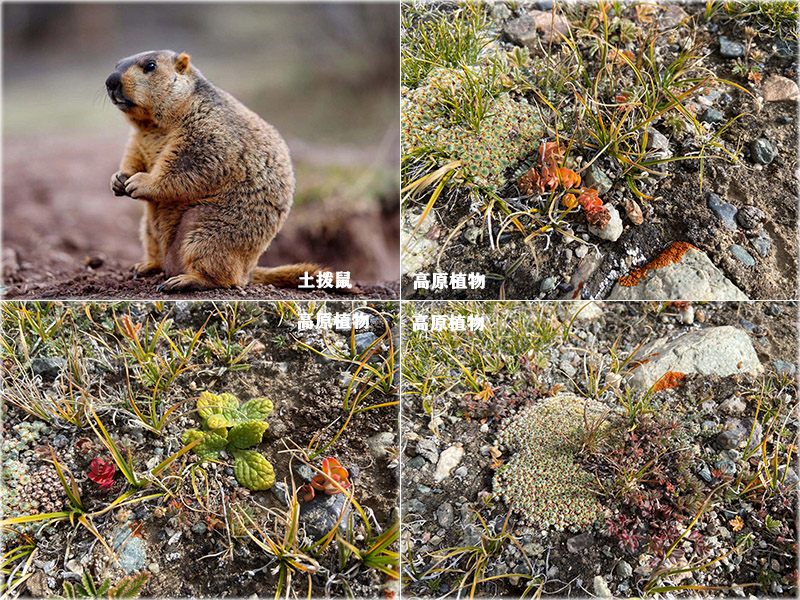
(229, 425)
(129, 587)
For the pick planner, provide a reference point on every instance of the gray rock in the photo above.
(742, 255)
(695, 278)
(500, 12)
(428, 449)
(418, 462)
(658, 142)
(623, 570)
(379, 443)
(784, 367)
(736, 433)
(790, 478)
(729, 48)
(711, 115)
(304, 472)
(762, 244)
(594, 177)
(48, 368)
(601, 587)
(130, 549)
(705, 473)
(414, 506)
(548, 283)
(750, 217)
(60, 441)
(763, 151)
(444, 515)
(522, 31)
(281, 492)
(363, 341)
(580, 543)
(722, 210)
(613, 228)
(718, 351)
(319, 516)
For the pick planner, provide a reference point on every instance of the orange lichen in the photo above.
(673, 254)
(670, 380)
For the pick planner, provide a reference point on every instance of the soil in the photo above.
(66, 236)
(676, 212)
(557, 570)
(307, 394)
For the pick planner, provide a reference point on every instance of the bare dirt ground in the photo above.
(66, 236)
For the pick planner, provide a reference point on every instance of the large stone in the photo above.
(718, 351)
(694, 277)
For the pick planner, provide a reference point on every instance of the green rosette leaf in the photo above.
(211, 404)
(247, 434)
(217, 421)
(252, 470)
(210, 445)
(257, 409)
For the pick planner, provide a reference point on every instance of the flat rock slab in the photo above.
(718, 351)
(695, 277)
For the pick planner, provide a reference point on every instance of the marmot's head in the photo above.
(151, 86)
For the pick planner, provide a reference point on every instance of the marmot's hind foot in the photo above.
(186, 282)
(146, 269)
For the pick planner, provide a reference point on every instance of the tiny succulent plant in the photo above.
(102, 473)
(229, 425)
(333, 479)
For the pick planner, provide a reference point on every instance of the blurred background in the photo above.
(325, 74)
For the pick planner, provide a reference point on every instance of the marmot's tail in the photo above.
(287, 276)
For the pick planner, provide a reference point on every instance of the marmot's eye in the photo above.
(149, 67)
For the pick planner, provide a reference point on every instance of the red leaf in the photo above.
(102, 473)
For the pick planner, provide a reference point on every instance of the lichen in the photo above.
(672, 254)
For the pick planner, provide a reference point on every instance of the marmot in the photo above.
(216, 179)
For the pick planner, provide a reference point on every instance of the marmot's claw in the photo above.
(160, 287)
(118, 183)
(179, 283)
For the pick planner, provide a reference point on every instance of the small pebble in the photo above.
(742, 255)
(730, 48)
(763, 151)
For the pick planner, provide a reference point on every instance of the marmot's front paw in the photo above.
(118, 180)
(139, 185)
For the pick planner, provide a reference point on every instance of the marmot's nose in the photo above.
(113, 81)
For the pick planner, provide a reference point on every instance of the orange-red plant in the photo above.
(550, 176)
(332, 474)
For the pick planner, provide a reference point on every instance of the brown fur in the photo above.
(217, 180)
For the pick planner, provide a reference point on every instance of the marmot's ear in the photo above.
(182, 63)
